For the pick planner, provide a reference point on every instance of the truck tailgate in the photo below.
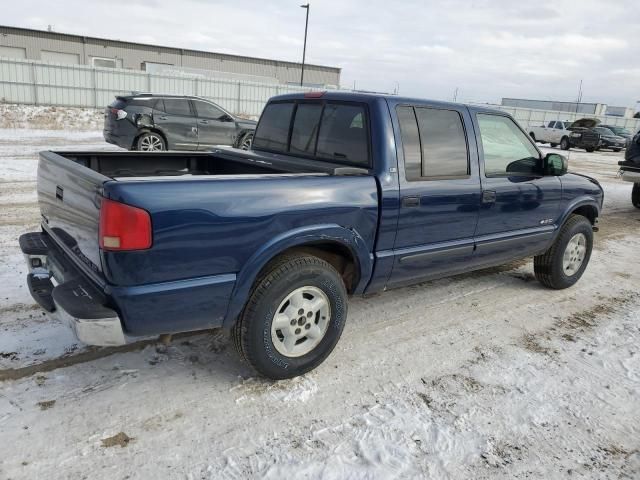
(69, 199)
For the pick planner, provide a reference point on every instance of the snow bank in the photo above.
(50, 118)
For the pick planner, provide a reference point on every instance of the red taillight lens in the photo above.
(123, 227)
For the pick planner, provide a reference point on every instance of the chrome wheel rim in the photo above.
(151, 143)
(300, 322)
(246, 142)
(574, 254)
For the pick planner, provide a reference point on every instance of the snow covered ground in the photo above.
(484, 375)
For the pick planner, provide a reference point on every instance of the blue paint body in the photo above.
(213, 235)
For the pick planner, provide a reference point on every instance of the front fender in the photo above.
(330, 233)
(573, 206)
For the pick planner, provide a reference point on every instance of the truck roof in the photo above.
(372, 97)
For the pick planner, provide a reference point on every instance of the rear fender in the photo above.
(330, 233)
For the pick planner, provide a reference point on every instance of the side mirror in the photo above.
(226, 118)
(554, 164)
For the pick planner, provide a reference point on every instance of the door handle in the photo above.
(488, 196)
(162, 117)
(204, 122)
(411, 202)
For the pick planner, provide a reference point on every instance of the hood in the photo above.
(585, 123)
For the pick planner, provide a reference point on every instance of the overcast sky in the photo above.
(487, 48)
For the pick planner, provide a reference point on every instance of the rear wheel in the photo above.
(533, 136)
(553, 145)
(564, 143)
(293, 318)
(566, 260)
(617, 149)
(590, 149)
(150, 142)
(635, 195)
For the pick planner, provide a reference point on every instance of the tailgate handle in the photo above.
(59, 192)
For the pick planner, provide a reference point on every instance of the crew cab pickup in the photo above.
(553, 132)
(343, 194)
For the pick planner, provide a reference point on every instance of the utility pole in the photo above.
(579, 95)
(455, 94)
(304, 48)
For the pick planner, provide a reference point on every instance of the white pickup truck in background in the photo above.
(553, 132)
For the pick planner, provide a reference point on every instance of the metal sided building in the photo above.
(48, 46)
(570, 107)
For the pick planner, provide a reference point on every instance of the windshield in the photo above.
(604, 131)
(619, 130)
(567, 124)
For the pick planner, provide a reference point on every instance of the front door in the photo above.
(439, 190)
(215, 127)
(176, 120)
(519, 205)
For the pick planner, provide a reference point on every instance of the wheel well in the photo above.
(241, 136)
(337, 255)
(587, 211)
(150, 130)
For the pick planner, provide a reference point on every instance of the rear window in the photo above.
(343, 137)
(273, 130)
(323, 130)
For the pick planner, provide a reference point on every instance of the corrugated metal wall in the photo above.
(40, 83)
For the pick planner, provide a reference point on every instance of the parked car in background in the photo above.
(620, 132)
(341, 194)
(152, 122)
(582, 135)
(630, 168)
(609, 140)
(553, 133)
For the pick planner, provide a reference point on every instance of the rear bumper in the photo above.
(108, 316)
(124, 141)
(57, 287)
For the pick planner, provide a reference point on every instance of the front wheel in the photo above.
(635, 195)
(533, 136)
(294, 317)
(247, 140)
(616, 149)
(564, 143)
(553, 145)
(590, 149)
(566, 260)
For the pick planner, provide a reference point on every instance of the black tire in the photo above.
(548, 267)
(616, 149)
(635, 195)
(151, 142)
(252, 332)
(553, 145)
(590, 149)
(246, 141)
(533, 136)
(564, 143)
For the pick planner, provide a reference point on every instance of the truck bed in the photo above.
(221, 161)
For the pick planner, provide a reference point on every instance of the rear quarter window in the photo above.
(343, 134)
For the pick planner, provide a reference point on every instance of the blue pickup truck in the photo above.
(342, 194)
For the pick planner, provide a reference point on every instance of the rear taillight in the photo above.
(120, 114)
(123, 227)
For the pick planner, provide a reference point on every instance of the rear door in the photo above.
(519, 205)
(215, 127)
(176, 119)
(439, 190)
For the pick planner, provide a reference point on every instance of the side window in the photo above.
(552, 124)
(343, 134)
(305, 128)
(177, 106)
(410, 142)
(206, 110)
(272, 132)
(507, 150)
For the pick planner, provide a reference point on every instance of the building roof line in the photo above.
(84, 38)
